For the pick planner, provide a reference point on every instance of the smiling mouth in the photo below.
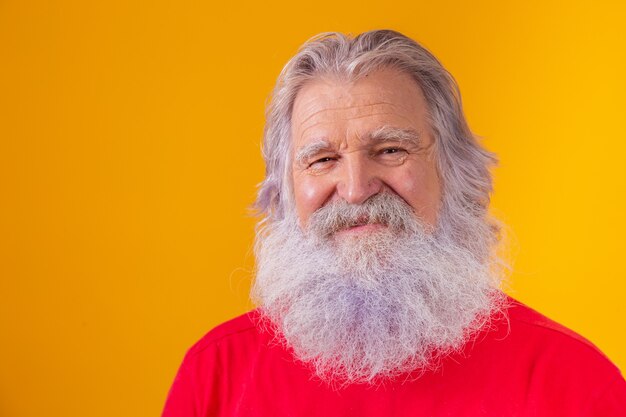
(364, 227)
(362, 224)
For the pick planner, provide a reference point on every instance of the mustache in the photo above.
(386, 208)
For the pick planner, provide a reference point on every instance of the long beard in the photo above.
(366, 307)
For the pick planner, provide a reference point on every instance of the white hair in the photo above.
(366, 308)
(395, 300)
(462, 163)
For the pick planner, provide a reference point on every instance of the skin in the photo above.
(335, 157)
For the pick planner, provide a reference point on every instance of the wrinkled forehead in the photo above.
(328, 105)
(328, 112)
(387, 85)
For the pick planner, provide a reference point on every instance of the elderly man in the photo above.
(377, 282)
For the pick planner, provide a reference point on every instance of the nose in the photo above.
(359, 180)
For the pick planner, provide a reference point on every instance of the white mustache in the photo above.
(384, 208)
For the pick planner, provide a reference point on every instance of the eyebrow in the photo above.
(310, 149)
(382, 134)
(390, 133)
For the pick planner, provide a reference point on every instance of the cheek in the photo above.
(420, 187)
(310, 194)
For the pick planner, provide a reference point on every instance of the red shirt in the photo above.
(528, 366)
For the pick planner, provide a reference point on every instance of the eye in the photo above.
(391, 150)
(321, 164)
(325, 159)
(393, 155)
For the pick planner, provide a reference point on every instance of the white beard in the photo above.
(366, 307)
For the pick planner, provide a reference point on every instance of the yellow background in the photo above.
(129, 152)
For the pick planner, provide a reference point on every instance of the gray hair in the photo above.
(462, 163)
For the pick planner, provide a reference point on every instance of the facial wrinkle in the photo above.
(406, 119)
(357, 106)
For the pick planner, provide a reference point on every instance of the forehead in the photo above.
(330, 106)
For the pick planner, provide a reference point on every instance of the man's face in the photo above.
(354, 140)
(361, 288)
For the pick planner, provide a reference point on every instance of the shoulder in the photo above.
(237, 339)
(530, 322)
(233, 330)
(550, 346)
(219, 356)
(555, 360)
(226, 349)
